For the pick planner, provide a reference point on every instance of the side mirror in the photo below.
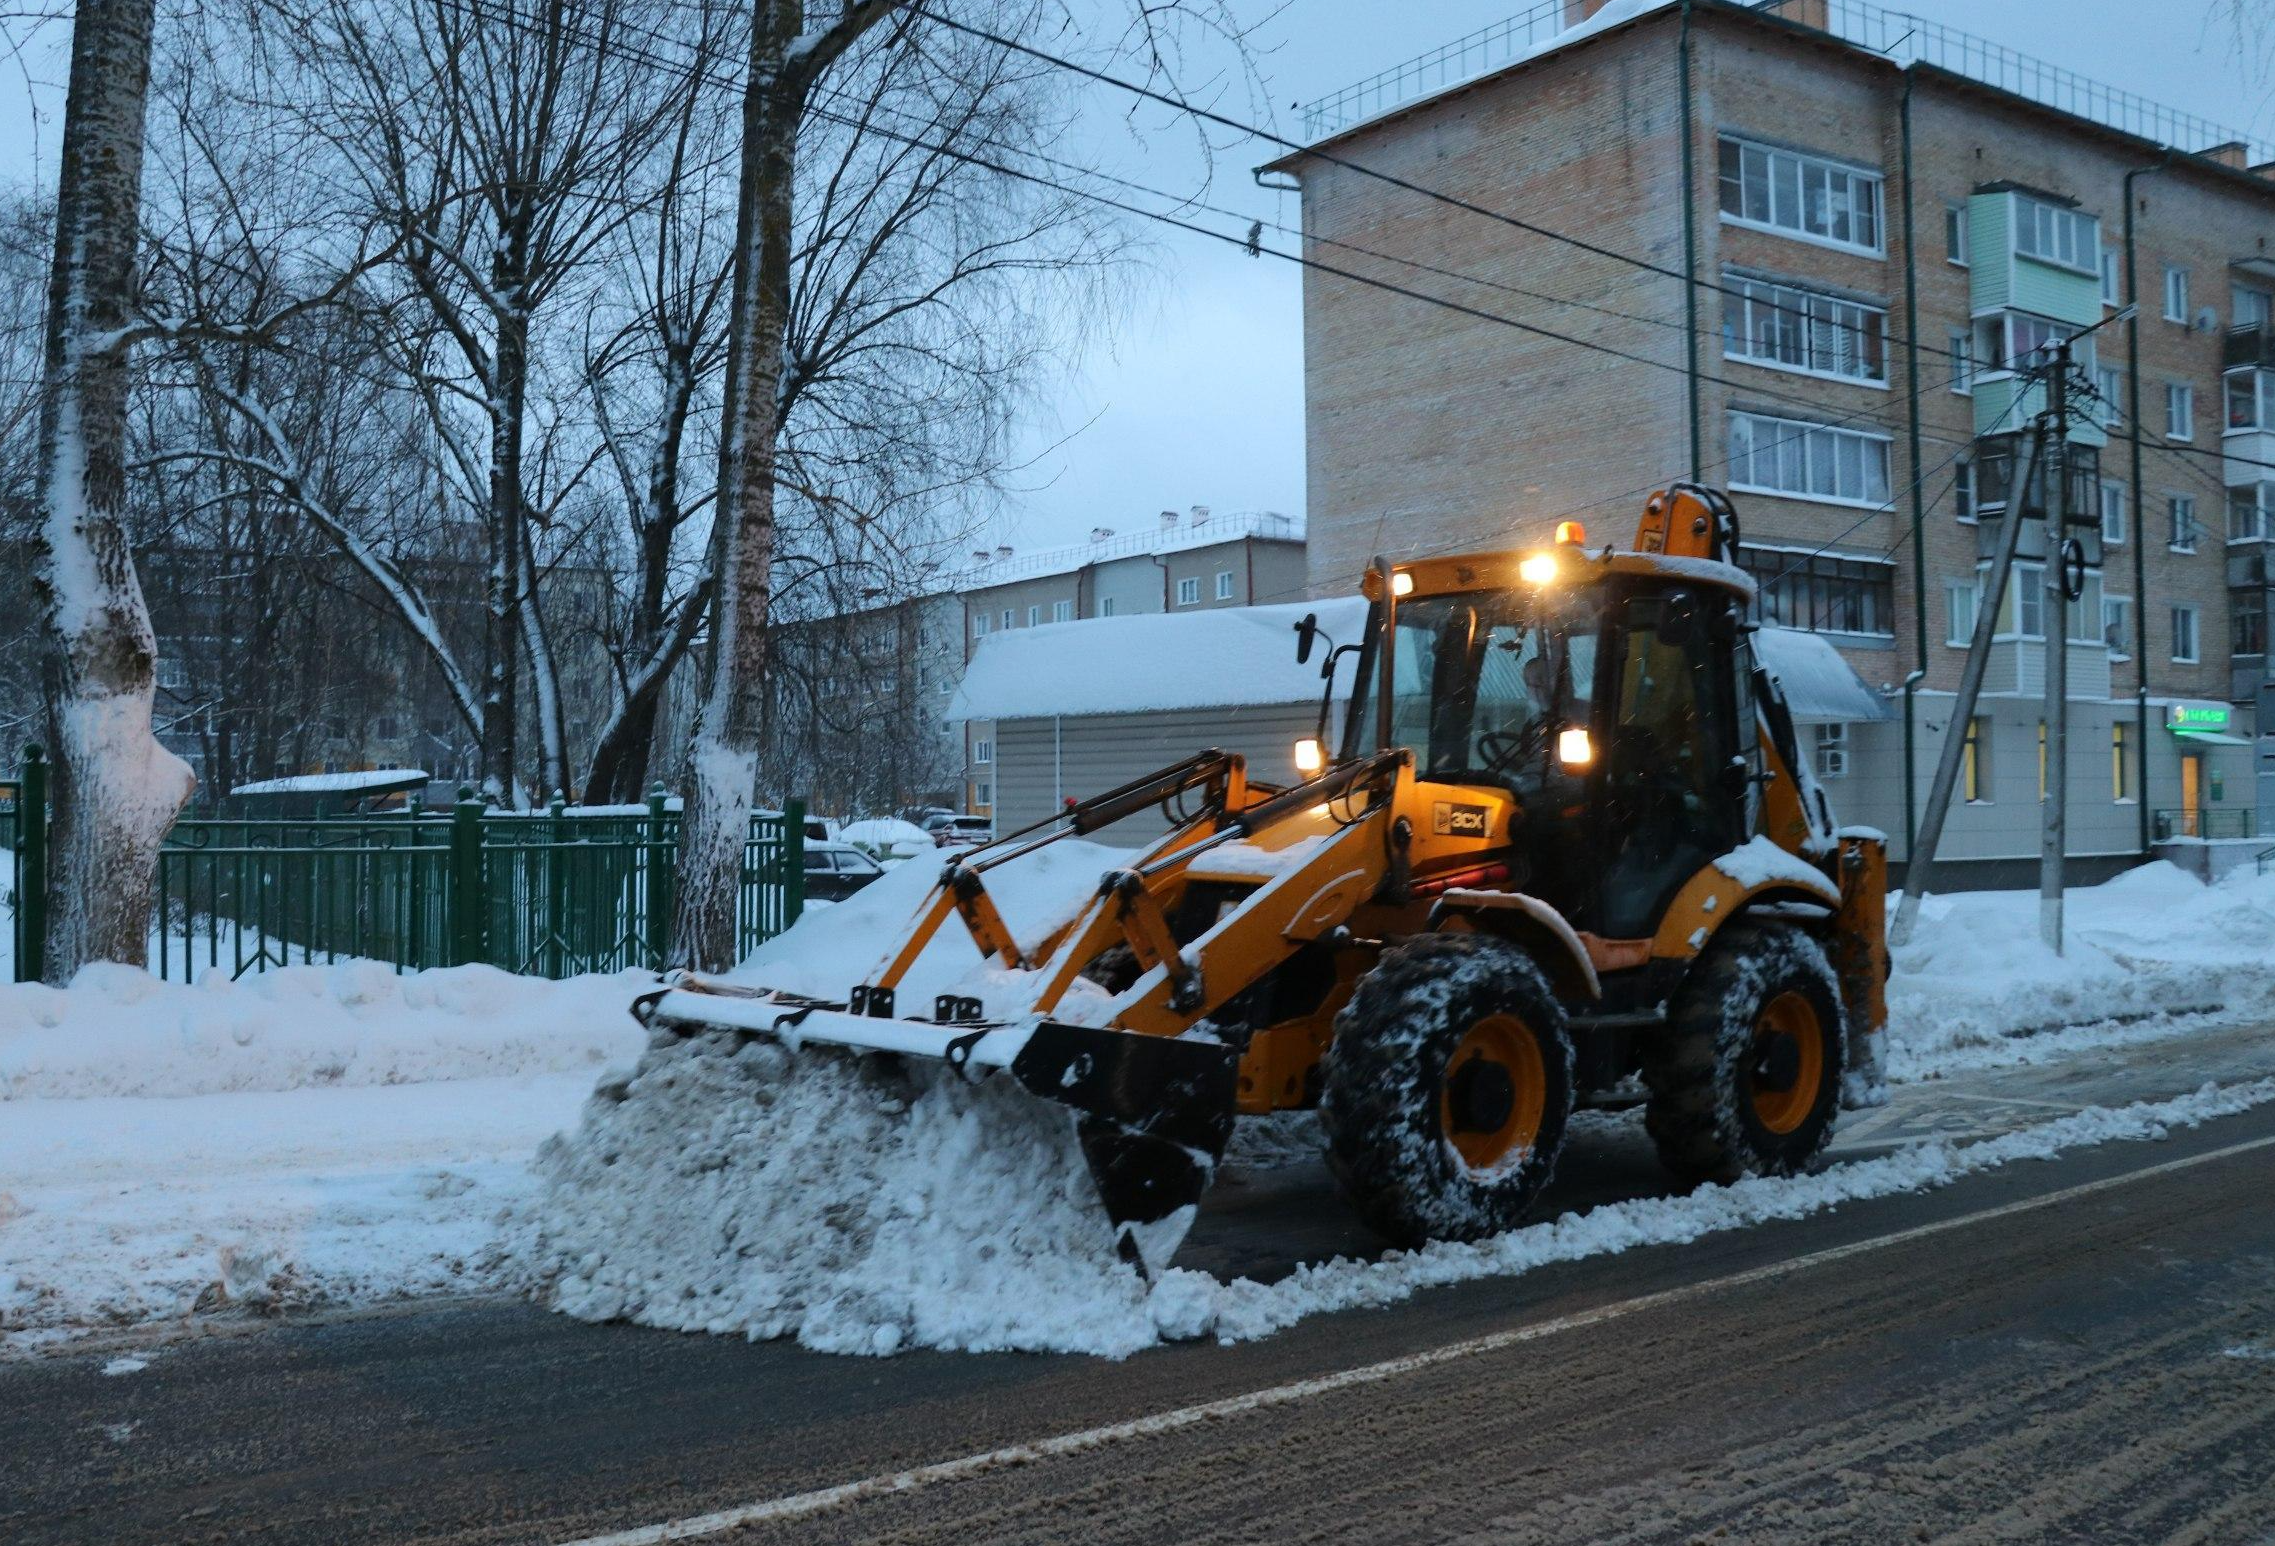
(1306, 635)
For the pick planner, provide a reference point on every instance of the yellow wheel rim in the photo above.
(1495, 1093)
(1788, 1068)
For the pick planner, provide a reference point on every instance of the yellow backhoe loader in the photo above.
(1567, 852)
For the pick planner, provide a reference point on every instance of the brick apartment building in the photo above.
(1184, 562)
(1878, 217)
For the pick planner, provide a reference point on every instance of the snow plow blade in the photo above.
(1152, 1113)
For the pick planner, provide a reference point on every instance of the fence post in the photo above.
(31, 868)
(556, 886)
(469, 908)
(659, 880)
(792, 857)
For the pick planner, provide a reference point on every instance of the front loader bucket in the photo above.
(1152, 1114)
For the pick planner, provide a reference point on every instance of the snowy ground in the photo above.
(343, 1135)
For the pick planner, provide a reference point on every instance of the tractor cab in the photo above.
(1579, 715)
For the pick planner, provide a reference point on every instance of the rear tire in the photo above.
(1448, 1088)
(1746, 1078)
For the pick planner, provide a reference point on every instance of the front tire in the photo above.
(1746, 1078)
(1448, 1088)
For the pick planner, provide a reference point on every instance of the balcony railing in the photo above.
(1898, 36)
(2225, 821)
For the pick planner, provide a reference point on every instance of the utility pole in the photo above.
(2052, 840)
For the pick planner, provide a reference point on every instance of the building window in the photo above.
(979, 625)
(947, 685)
(2109, 386)
(2117, 626)
(1959, 612)
(1975, 762)
(1963, 490)
(1962, 362)
(2184, 646)
(1813, 461)
(2112, 510)
(1224, 585)
(1062, 611)
(2183, 511)
(2175, 294)
(1832, 751)
(1007, 614)
(1822, 592)
(1034, 616)
(1107, 607)
(2109, 278)
(2250, 398)
(983, 752)
(1189, 592)
(1955, 234)
(2120, 775)
(983, 794)
(1787, 328)
(2248, 508)
(2068, 238)
(2179, 411)
(2253, 308)
(2246, 627)
(2005, 340)
(1808, 196)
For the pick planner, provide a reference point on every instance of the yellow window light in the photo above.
(1310, 756)
(1573, 748)
(1571, 533)
(1537, 569)
(1401, 583)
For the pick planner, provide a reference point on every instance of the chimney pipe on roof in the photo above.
(1168, 520)
(1200, 515)
(1100, 533)
(1004, 551)
(979, 556)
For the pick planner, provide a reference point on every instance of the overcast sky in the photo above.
(1198, 396)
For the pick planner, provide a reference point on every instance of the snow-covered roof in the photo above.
(1229, 657)
(1153, 541)
(367, 781)
(1819, 685)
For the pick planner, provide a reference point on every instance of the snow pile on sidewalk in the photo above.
(118, 1030)
(2150, 945)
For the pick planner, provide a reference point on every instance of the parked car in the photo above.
(886, 838)
(963, 832)
(834, 871)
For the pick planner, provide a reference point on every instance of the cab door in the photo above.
(1671, 790)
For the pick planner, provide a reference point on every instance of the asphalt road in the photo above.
(2081, 1350)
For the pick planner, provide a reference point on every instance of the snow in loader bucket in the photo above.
(1151, 1114)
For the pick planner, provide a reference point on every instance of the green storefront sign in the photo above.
(2198, 716)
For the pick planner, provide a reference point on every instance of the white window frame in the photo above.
(1872, 449)
(1008, 616)
(2117, 625)
(2176, 294)
(2263, 302)
(983, 753)
(1108, 606)
(1062, 611)
(983, 793)
(2029, 591)
(1035, 616)
(1814, 324)
(2195, 637)
(1958, 237)
(1224, 585)
(2180, 518)
(1782, 190)
(2110, 288)
(1962, 342)
(1832, 750)
(1955, 633)
(1967, 509)
(2113, 495)
(979, 625)
(2262, 509)
(2179, 411)
(2056, 235)
(2109, 381)
(1189, 591)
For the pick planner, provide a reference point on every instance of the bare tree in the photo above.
(116, 789)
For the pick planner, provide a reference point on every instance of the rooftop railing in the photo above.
(1899, 36)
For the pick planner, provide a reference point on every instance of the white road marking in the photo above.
(822, 1500)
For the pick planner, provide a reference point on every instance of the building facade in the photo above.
(1189, 561)
(1813, 248)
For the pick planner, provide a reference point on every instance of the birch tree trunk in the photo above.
(723, 761)
(116, 790)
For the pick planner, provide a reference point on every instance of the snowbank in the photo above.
(120, 1031)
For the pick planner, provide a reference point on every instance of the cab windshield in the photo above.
(1483, 682)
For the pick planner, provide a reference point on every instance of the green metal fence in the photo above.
(551, 893)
